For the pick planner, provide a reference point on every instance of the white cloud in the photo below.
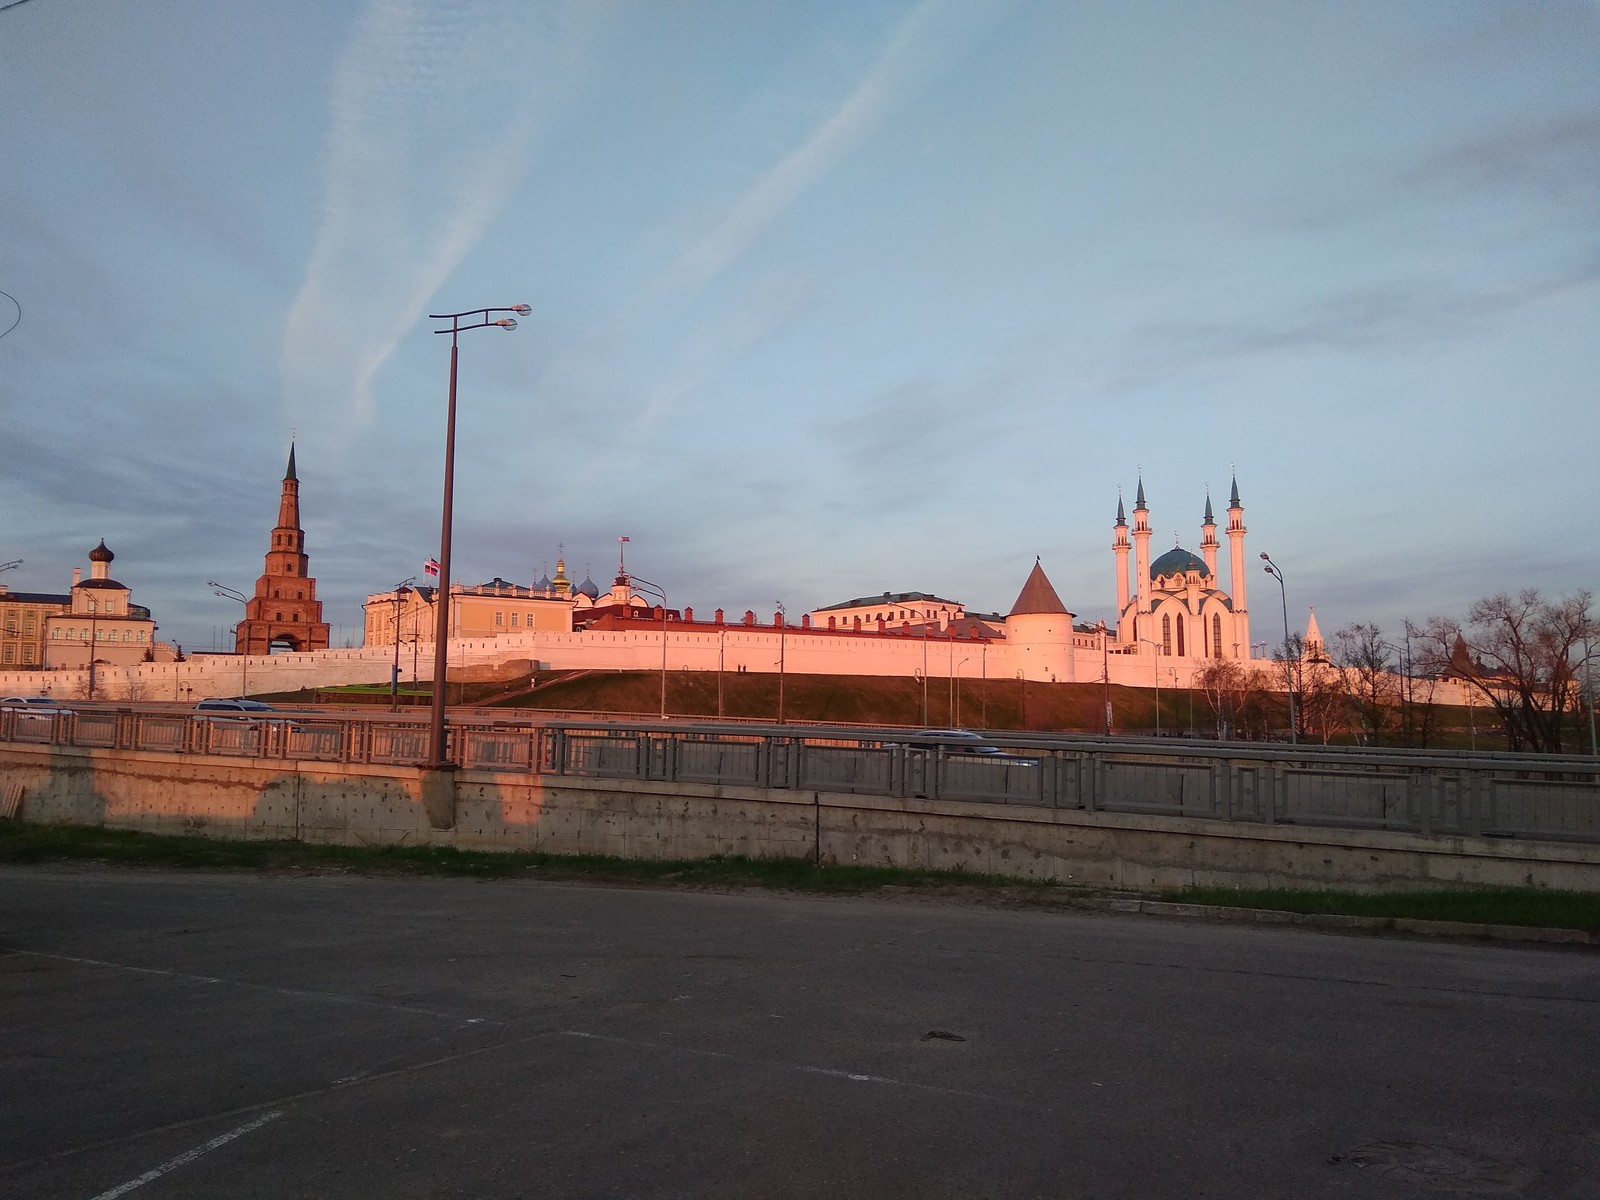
(434, 114)
(921, 44)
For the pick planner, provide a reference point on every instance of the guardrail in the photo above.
(1435, 794)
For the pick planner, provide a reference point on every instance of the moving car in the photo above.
(36, 705)
(965, 741)
(236, 708)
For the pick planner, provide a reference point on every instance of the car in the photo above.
(236, 706)
(244, 711)
(964, 742)
(43, 706)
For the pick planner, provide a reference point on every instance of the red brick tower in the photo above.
(285, 612)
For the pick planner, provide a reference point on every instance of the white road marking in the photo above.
(760, 1062)
(302, 993)
(188, 1156)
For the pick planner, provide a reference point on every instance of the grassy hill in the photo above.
(856, 699)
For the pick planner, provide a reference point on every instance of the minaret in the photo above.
(1316, 649)
(1121, 547)
(285, 609)
(1141, 556)
(1236, 574)
(1208, 538)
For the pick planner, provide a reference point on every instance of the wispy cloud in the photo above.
(435, 111)
(922, 43)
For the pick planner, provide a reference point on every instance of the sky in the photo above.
(827, 299)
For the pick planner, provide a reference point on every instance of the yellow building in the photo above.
(482, 612)
(99, 614)
(22, 625)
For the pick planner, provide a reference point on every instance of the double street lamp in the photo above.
(656, 590)
(227, 593)
(437, 756)
(1288, 668)
(401, 590)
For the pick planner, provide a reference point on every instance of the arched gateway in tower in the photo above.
(285, 613)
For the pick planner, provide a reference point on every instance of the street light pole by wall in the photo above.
(437, 756)
(1155, 647)
(1588, 686)
(1288, 671)
(657, 590)
(228, 593)
(1105, 672)
(783, 631)
(402, 588)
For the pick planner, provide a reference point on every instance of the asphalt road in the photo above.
(210, 1035)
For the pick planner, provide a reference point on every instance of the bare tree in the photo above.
(1322, 710)
(1519, 653)
(1367, 678)
(1237, 696)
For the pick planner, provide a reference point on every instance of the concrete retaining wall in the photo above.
(253, 799)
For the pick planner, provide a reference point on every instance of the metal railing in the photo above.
(1437, 794)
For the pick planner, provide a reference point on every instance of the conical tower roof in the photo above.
(1037, 596)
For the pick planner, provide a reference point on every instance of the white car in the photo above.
(43, 706)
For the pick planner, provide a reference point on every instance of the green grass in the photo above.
(1542, 907)
(22, 842)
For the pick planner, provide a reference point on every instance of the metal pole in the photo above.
(94, 636)
(1588, 686)
(441, 631)
(1288, 671)
(437, 738)
(783, 630)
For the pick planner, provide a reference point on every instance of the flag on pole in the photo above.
(431, 567)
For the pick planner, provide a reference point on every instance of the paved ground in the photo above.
(170, 1035)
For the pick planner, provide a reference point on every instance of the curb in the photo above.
(1333, 921)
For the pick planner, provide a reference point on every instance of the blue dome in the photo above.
(588, 588)
(1179, 561)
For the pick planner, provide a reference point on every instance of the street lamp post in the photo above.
(955, 687)
(1288, 671)
(657, 590)
(1588, 686)
(228, 593)
(402, 588)
(783, 631)
(437, 756)
(1105, 671)
(1156, 647)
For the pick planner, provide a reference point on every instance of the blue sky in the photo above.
(828, 298)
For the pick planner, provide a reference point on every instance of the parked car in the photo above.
(964, 741)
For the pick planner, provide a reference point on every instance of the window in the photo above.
(83, 635)
(94, 605)
(141, 636)
(127, 635)
(1166, 633)
(11, 654)
(1216, 635)
(27, 627)
(1180, 635)
(55, 632)
(499, 618)
(513, 620)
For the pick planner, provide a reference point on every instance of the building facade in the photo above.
(100, 624)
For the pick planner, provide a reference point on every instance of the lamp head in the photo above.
(507, 322)
(521, 310)
(1264, 554)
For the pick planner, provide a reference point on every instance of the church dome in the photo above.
(100, 553)
(588, 588)
(1179, 561)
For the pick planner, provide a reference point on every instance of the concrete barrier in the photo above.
(482, 809)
